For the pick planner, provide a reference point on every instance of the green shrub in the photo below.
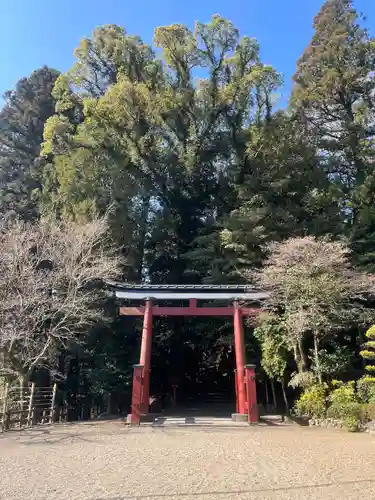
(304, 380)
(312, 402)
(342, 393)
(351, 414)
(366, 389)
(343, 405)
(368, 412)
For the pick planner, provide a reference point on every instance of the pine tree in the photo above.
(368, 353)
(334, 96)
(363, 239)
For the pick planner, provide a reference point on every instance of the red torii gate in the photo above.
(246, 403)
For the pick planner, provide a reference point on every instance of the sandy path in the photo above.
(106, 461)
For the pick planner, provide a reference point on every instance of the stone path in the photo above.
(108, 461)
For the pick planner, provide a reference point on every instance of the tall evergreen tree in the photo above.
(334, 96)
(91, 167)
(335, 91)
(152, 132)
(22, 120)
(283, 193)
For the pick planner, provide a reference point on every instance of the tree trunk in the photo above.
(22, 395)
(72, 389)
(4, 419)
(282, 382)
(108, 403)
(267, 394)
(143, 233)
(273, 393)
(297, 358)
(316, 356)
(303, 356)
(300, 357)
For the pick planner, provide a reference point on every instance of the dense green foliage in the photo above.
(202, 172)
(340, 402)
(22, 120)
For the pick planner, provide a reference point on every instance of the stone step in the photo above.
(158, 420)
(212, 397)
(194, 421)
(274, 419)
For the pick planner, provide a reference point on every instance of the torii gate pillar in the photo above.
(145, 358)
(239, 345)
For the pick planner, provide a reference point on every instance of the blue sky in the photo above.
(37, 32)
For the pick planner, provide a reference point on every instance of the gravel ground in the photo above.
(107, 461)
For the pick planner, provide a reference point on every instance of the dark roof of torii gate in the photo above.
(178, 292)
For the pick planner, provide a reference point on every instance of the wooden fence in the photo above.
(24, 406)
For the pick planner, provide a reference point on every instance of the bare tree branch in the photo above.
(49, 287)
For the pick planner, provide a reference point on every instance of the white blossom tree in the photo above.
(311, 281)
